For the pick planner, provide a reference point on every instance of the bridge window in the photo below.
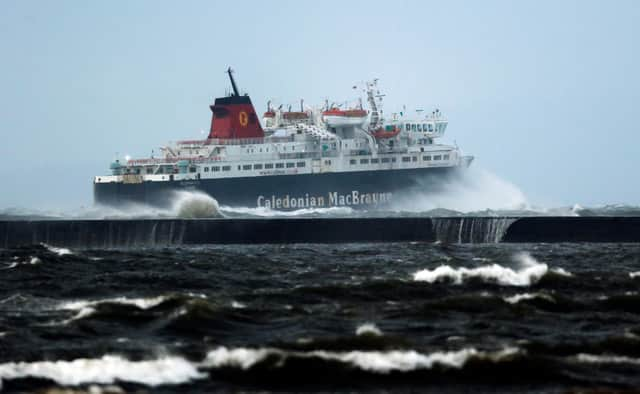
(192, 169)
(430, 128)
(246, 167)
(268, 166)
(279, 165)
(352, 162)
(407, 126)
(206, 169)
(406, 159)
(446, 157)
(414, 158)
(426, 158)
(413, 127)
(226, 168)
(149, 170)
(374, 161)
(300, 164)
(393, 160)
(327, 162)
(215, 168)
(424, 127)
(364, 161)
(419, 127)
(290, 165)
(437, 157)
(385, 159)
(257, 166)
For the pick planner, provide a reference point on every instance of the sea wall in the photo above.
(158, 232)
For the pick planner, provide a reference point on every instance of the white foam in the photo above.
(237, 305)
(33, 260)
(514, 299)
(530, 272)
(368, 329)
(372, 361)
(106, 370)
(561, 271)
(56, 250)
(634, 274)
(243, 358)
(606, 359)
(266, 212)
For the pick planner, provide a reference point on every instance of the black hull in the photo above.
(363, 189)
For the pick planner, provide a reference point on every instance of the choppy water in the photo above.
(354, 317)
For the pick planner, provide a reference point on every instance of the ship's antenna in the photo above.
(301, 105)
(233, 82)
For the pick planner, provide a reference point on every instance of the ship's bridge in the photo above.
(435, 128)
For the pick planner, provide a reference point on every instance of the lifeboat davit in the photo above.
(336, 117)
(387, 132)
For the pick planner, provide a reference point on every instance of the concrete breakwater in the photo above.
(152, 232)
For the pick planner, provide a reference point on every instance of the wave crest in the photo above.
(382, 362)
(531, 272)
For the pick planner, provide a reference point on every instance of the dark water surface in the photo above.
(355, 317)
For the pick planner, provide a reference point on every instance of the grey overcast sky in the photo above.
(545, 94)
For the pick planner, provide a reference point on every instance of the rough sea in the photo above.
(375, 317)
(349, 317)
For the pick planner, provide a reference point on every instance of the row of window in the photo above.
(267, 166)
(284, 148)
(428, 127)
(405, 159)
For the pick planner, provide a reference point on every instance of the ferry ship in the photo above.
(328, 156)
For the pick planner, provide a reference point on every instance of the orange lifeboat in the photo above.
(336, 117)
(386, 132)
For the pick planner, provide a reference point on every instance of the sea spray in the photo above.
(469, 191)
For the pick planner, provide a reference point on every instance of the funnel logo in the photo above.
(243, 118)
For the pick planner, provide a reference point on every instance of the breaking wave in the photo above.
(108, 369)
(142, 303)
(381, 362)
(172, 370)
(368, 329)
(516, 298)
(195, 204)
(530, 272)
(86, 308)
(58, 251)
